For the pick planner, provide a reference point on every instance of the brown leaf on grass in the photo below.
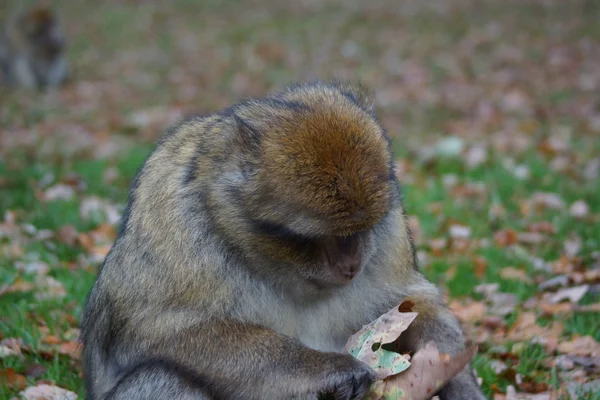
(542, 227)
(71, 349)
(581, 346)
(59, 192)
(95, 207)
(479, 266)
(438, 246)
(51, 339)
(47, 392)
(563, 265)
(549, 200)
(49, 288)
(33, 267)
(512, 273)
(12, 380)
(428, 372)
(67, 234)
(554, 309)
(505, 237)
(526, 328)
(592, 276)
(18, 286)
(530, 237)
(573, 294)
(511, 394)
(472, 312)
(11, 347)
(553, 283)
(459, 231)
(533, 387)
(502, 303)
(579, 209)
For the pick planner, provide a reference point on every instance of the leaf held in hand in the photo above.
(367, 344)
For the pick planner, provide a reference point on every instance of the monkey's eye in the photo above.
(279, 231)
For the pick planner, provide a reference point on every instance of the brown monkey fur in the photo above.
(255, 241)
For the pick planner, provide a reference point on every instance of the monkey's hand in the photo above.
(345, 378)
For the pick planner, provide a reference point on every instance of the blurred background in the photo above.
(494, 112)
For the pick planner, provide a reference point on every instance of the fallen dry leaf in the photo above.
(526, 328)
(553, 283)
(479, 266)
(67, 234)
(530, 237)
(47, 392)
(502, 303)
(548, 200)
(49, 288)
(95, 207)
(59, 192)
(71, 349)
(573, 294)
(11, 347)
(472, 312)
(18, 286)
(33, 267)
(577, 388)
(542, 227)
(581, 346)
(428, 372)
(505, 237)
(11, 379)
(579, 209)
(513, 273)
(459, 231)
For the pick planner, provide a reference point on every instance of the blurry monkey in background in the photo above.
(32, 50)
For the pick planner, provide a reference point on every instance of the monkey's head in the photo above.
(315, 179)
(41, 32)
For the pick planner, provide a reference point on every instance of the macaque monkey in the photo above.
(255, 241)
(32, 50)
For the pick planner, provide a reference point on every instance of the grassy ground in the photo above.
(513, 84)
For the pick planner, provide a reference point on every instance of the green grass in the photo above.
(192, 56)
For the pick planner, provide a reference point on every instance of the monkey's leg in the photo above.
(436, 323)
(157, 380)
(24, 74)
(57, 73)
(245, 361)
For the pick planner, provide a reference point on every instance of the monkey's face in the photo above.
(323, 183)
(323, 260)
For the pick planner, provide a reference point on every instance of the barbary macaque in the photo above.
(255, 241)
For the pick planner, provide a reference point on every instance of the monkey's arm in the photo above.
(250, 361)
(436, 323)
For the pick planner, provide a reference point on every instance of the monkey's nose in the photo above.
(347, 267)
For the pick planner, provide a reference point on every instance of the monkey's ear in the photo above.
(248, 140)
(359, 94)
(249, 137)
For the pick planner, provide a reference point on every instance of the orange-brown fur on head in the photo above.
(322, 156)
(334, 162)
